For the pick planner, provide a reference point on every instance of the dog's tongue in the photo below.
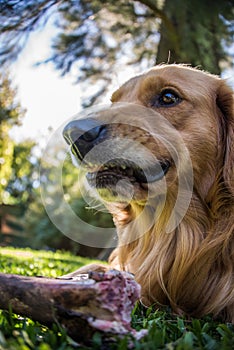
(153, 173)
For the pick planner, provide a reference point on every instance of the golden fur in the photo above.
(192, 268)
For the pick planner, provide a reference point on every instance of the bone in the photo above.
(82, 305)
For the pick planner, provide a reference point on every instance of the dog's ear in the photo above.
(225, 102)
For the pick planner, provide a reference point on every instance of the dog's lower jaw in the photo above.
(122, 194)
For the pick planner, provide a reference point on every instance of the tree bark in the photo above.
(82, 305)
(194, 36)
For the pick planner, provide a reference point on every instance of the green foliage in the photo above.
(11, 111)
(42, 233)
(199, 28)
(23, 173)
(101, 31)
(11, 114)
(166, 331)
(17, 165)
(25, 214)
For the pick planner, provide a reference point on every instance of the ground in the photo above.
(166, 331)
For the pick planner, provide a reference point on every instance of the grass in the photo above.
(165, 331)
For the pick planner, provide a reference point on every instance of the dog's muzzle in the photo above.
(84, 134)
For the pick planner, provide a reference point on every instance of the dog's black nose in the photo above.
(84, 134)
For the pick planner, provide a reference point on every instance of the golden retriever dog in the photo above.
(161, 159)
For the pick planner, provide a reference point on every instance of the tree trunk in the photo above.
(193, 37)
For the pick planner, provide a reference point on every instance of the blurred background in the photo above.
(60, 56)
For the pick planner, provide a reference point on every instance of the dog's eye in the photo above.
(166, 98)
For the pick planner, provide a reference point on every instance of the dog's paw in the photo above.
(86, 269)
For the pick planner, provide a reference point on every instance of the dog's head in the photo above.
(168, 134)
(162, 123)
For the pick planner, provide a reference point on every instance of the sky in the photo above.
(48, 98)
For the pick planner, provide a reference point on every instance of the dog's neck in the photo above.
(168, 262)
